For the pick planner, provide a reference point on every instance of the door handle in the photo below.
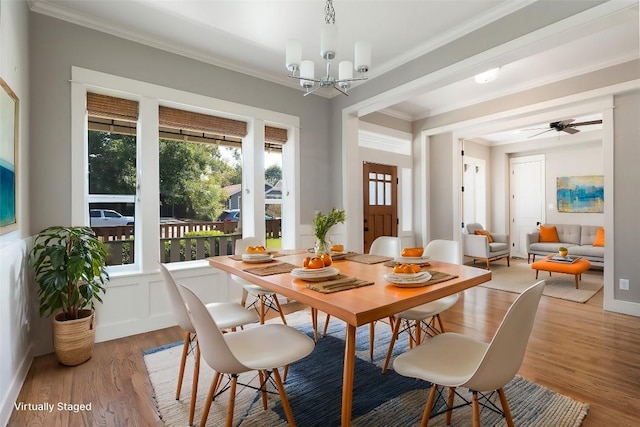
(366, 229)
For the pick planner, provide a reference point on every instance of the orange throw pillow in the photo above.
(548, 234)
(599, 241)
(484, 233)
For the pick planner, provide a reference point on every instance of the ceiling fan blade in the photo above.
(592, 122)
(571, 130)
(565, 122)
(540, 133)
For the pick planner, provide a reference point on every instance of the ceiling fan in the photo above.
(567, 126)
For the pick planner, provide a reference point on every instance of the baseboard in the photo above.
(13, 391)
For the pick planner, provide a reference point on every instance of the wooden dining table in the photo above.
(359, 306)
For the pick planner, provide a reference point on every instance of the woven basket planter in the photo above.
(73, 339)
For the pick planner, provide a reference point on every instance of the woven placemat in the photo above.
(394, 262)
(368, 258)
(337, 284)
(278, 268)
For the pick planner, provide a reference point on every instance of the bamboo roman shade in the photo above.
(109, 107)
(188, 120)
(275, 135)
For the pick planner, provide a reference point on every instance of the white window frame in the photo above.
(149, 97)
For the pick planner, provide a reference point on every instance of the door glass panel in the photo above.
(372, 193)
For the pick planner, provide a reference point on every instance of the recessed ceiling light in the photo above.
(487, 76)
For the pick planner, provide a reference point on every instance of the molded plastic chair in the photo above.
(425, 316)
(229, 315)
(383, 246)
(266, 298)
(264, 349)
(454, 360)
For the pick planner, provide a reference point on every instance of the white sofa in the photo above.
(578, 239)
(478, 246)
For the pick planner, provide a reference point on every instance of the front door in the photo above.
(380, 184)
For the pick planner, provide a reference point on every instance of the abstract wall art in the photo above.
(8, 158)
(581, 194)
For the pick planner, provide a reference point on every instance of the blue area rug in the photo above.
(314, 388)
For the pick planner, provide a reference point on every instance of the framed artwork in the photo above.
(581, 194)
(8, 159)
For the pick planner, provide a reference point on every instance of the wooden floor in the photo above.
(575, 349)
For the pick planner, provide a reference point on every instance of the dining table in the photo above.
(358, 306)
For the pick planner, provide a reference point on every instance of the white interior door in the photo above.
(475, 194)
(527, 184)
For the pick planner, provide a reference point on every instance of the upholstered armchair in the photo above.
(479, 244)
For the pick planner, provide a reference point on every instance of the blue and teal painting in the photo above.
(581, 194)
(7, 193)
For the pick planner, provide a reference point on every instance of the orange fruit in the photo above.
(326, 259)
(412, 252)
(305, 262)
(251, 249)
(260, 249)
(337, 248)
(315, 262)
(397, 268)
(416, 268)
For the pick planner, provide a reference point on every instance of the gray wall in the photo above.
(56, 45)
(627, 193)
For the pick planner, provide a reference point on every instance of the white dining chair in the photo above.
(264, 299)
(228, 315)
(453, 360)
(388, 246)
(423, 318)
(264, 349)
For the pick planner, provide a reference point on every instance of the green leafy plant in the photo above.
(562, 249)
(322, 223)
(70, 269)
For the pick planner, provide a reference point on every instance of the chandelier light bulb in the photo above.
(328, 41)
(294, 54)
(306, 72)
(363, 56)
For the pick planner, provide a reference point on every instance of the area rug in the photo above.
(314, 387)
(519, 276)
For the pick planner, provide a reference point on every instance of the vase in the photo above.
(322, 246)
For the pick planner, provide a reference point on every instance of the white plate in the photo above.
(314, 273)
(404, 278)
(412, 259)
(256, 257)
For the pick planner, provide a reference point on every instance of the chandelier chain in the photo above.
(329, 13)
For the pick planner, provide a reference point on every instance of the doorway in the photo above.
(380, 202)
(527, 188)
(474, 198)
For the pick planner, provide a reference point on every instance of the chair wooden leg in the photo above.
(207, 403)
(508, 265)
(505, 407)
(245, 294)
(450, 404)
(194, 385)
(392, 343)
(476, 409)
(283, 398)
(262, 304)
(232, 401)
(314, 322)
(418, 333)
(217, 380)
(286, 371)
(372, 337)
(440, 324)
(275, 299)
(326, 325)
(429, 405)
(183, 362)
(488, 264)
(263, 388)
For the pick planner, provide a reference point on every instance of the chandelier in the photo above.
(303, 70)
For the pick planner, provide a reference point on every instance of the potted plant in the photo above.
(70, 269)
(321, 225)
(562, 251)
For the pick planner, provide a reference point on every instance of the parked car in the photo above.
(109, 218)
(234, 215)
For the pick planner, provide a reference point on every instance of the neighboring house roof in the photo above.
(233, 189)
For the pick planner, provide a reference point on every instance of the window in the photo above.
(132, 193)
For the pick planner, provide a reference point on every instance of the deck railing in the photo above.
(174, 245)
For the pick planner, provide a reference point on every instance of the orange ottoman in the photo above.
(576, 268)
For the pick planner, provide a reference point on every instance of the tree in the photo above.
(112, 163)
(273, 174)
